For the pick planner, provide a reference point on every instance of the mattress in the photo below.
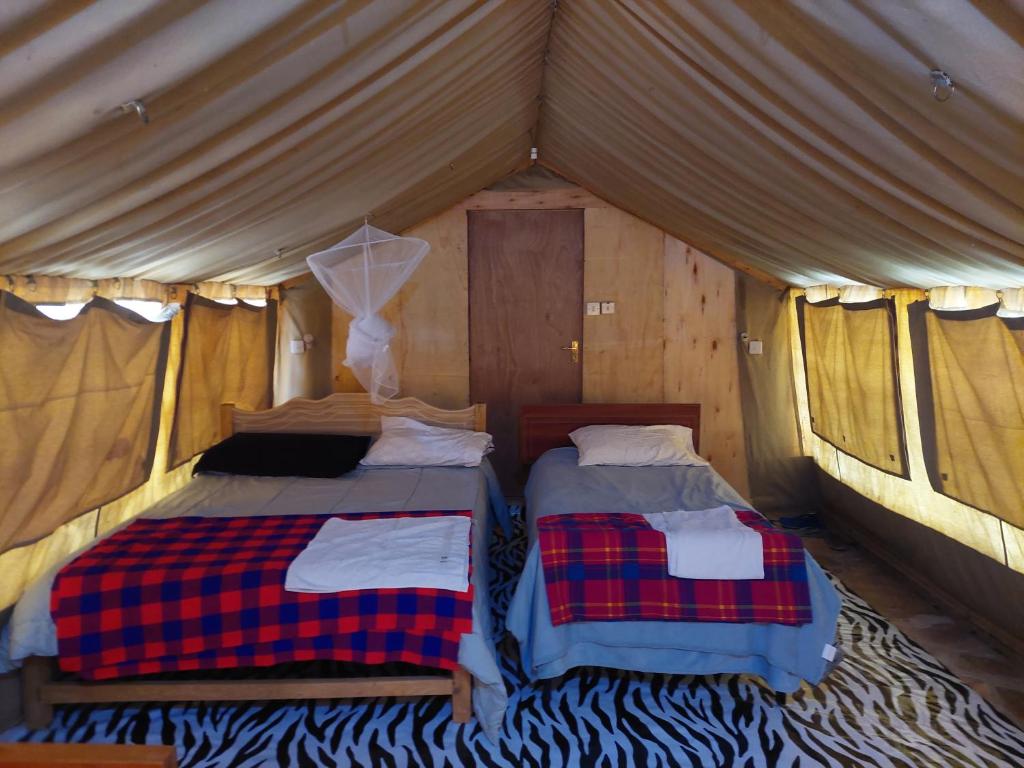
(782, 655)
(31, 631)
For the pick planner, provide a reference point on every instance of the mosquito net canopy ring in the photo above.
(361, 274)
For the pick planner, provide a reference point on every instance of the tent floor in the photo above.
(980, 661)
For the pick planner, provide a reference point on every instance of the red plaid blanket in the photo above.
(208, 593)
(614, 567)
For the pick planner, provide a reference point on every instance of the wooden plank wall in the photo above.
(623, 353)
(701, 349)
(673, 337)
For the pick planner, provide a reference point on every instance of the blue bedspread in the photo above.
(782, 655)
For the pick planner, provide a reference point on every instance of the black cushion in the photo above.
(284, 455)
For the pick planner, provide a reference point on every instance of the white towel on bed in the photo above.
(384, 553)
(709, 544)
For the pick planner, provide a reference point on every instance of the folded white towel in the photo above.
(709, 544)
(387, 552)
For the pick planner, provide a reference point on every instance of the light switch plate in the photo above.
(755, 346)
(607, 307)
(593, 308)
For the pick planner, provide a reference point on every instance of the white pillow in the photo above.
(661, 445)
(409, 443)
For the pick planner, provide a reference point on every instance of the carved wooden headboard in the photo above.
(345, 413)
(543, 427)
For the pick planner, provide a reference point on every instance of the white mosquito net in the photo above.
(361, 273)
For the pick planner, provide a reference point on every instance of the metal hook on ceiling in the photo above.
(942, 83)
(136, 105)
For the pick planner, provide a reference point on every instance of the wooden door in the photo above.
(525, 305)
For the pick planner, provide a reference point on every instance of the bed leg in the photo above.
(36, 672)
(462, 696)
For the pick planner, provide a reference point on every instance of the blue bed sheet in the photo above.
(781, 655)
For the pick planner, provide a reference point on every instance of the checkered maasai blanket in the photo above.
(208, 593)
(614, 567)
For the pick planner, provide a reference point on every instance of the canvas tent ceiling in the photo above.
(797, 140)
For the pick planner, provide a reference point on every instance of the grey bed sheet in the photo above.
(782, 655)
(31, 630)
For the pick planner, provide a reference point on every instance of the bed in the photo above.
(782, 655)
(476, 686)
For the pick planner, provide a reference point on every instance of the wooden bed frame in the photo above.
(543, 427)
(342, 413)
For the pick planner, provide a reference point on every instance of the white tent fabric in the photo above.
(798, 141)
(361, 274)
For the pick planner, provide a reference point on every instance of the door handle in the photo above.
(574, 350)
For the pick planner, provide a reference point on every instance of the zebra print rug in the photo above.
(888, 704)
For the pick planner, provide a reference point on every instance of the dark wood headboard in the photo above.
(543, 427)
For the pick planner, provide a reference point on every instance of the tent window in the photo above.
(969, 367)
(154, 311)
(79, 409)
(250, 302)
(228, 357)
(61, 311)
(852, 380)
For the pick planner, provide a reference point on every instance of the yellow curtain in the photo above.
(79, 406)
(970, 378)
(228, 357)
(851, 380)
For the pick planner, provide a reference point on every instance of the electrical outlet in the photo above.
(607, 307)
(593, 308)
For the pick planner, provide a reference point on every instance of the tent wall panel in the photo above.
(672, 337)
(912, 497)
(79, 401)
(228, 357)
(781, 476)
(965, 580)
(304, 308)
(23, 564)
